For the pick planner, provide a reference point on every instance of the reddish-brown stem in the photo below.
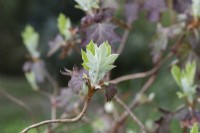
(77, 118)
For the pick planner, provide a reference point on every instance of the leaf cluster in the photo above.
(98, 60)
(185, 80)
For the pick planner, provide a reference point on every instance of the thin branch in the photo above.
(77, 118)
(16, 101)
(51, 81)
(142, 74)
(133, 116)
(132, 105)
(53, 108)
(135, 101)
(156, 68)
(148, 83)
(123, 42)
(19, 103)
(143, 90)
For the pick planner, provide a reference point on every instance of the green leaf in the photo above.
(90, 47)
(180, 94)
(109, 48)
(176, 73)
(98, 60)
(85, 60)
(30, 39)
(190, 70)
(194, 129)
(64, 25)
(87, 5)
(185, 79)
(195, 8)
(31, 78)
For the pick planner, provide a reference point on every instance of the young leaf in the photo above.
(98, 60)
(55, 44)
(38, 68)
(85, 60)
(100, 32)
(195, 8)
(30, 39)
(131, 12)
(194, 129)
(30, 76)
(155, 7)
(87, 5)
(190, 70)
(67, 100)
(176, 73)
(64, 25)
(76, 82)
(185, 79)
(110, 92)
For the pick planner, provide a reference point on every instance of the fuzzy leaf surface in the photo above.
(98, 60)
(76, 81)
(101, 32)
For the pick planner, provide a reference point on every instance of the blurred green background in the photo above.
(42, 14)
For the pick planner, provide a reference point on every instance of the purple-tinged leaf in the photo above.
(55, 44)
(131, 11)
(102, 15)
(182, 6)
(113, 4)
(66, 99)
(154, 8)
(110, 92)
(76, 81)
(159, 44)
(100, 33)
(38, 68)
(189, 118)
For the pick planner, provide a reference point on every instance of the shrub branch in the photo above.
(77, 118)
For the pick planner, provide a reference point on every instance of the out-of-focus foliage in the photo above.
(31, 40)
(101, 32)
(87, 5)
(194, 129)
(185, 80)
(64, 25)
(141, 28)
(195, 8)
